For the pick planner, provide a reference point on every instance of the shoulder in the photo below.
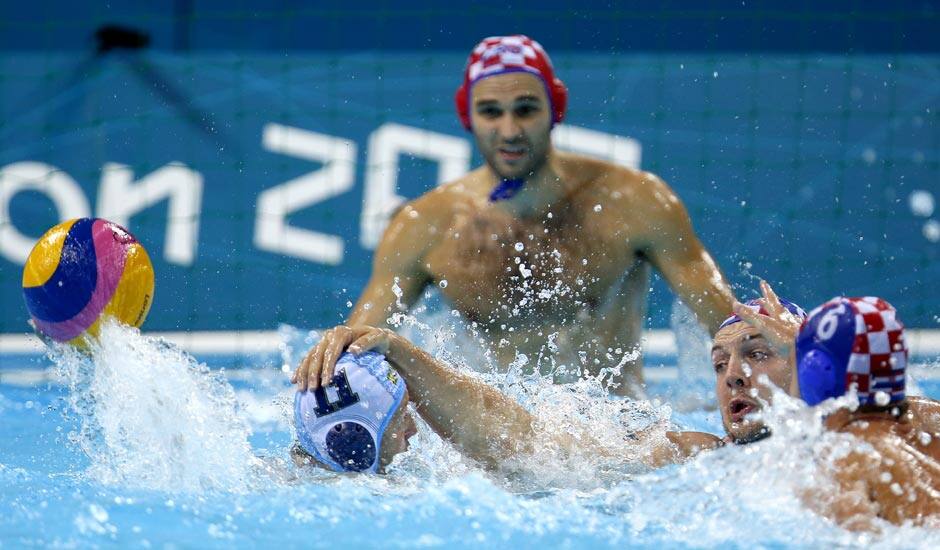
(629, 191)
(433, 211)
(925, 410)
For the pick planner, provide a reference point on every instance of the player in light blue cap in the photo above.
(350, 410)
(357, 423)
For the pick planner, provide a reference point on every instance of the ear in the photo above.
(559, 100)
(462, 102)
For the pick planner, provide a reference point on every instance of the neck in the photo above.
(541, 191)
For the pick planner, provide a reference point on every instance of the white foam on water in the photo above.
(152, 417)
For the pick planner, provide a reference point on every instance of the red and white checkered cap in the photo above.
(879, 352)
(505, 54)
(878, 358)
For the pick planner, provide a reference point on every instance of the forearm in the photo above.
(480, 420)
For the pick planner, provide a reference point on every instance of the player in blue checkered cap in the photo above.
(857, 346)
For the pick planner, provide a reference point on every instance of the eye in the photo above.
(524, 111)
(758, 355)
(720, 366)
(489, 111)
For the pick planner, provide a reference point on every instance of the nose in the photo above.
(509, 127)
(736, 377)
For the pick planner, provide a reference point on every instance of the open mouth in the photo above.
(739, 408)
(512, 154)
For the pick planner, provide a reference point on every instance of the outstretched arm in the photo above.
(482, 422)
(478, 419)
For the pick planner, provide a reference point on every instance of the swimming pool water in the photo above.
(52, 493)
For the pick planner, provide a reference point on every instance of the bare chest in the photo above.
(495, 268)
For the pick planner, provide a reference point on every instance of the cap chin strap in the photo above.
(763, 433)
(506, 189)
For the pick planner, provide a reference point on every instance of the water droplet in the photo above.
(443, 283)
(882, 398)
(597, 208)
(921, 203)
(519, 247)
(932, 230)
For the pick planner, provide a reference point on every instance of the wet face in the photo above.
(740, 355)
(512, 121)
(400, 429)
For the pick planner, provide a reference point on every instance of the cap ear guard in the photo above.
(819, 377)
(351, 445)
(462, 101)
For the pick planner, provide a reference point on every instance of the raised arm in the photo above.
(481, 421)
(674, 249)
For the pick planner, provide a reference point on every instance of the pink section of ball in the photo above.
(110, 253)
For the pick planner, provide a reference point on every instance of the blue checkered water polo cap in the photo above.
(755, 305)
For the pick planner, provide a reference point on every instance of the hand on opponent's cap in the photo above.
(317, 368)
(777, 320)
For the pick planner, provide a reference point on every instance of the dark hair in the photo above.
(352, 446)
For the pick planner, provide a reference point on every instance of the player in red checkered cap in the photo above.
(543, 252)
(857, 345)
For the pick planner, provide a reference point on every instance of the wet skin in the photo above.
(893, 473)
(588, 234)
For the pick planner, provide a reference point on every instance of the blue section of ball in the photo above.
(69, 289)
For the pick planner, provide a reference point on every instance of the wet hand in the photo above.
(779, 326)
(372, 339)
(317, 366)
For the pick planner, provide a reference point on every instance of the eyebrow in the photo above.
(527, 97)
(750, 338)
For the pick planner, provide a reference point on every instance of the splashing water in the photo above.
(152, 417)
(692, 344)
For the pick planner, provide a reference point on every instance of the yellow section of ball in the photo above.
(44, 258)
